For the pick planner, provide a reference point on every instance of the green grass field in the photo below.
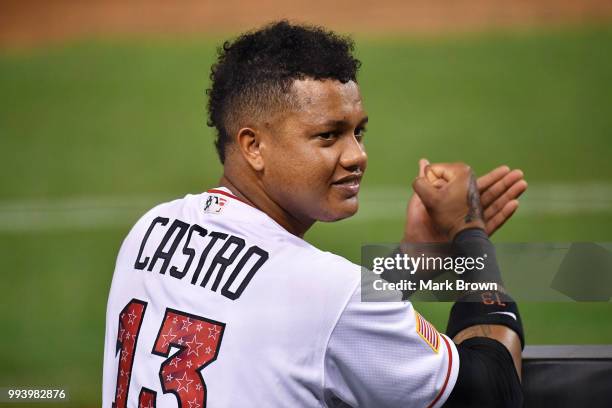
(92, 134)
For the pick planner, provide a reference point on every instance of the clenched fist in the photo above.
(450, 194)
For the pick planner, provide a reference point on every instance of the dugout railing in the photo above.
(567, 376)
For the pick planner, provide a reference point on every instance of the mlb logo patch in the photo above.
(427, 332)
(214, 204)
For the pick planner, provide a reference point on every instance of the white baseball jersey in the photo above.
(214, 304)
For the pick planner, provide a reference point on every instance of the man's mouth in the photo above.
(349, 184)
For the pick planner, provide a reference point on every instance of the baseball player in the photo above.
(218, 301)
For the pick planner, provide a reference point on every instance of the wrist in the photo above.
(464, 226)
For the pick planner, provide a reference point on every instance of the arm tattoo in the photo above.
(473, 202)
(480, 330)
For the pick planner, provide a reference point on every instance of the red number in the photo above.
(130, 320)
(198, 340)
(147, 398)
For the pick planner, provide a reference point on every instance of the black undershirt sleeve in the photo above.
(487, 376)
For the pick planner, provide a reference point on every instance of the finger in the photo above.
(439, 183)
(512, 193)
(496, 190)
(425, 190)
(430, 174)
(443, 171)
(415, 203)
(501, 217)
(422, 164)
(491, 177)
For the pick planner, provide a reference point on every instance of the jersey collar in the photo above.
(226, 192)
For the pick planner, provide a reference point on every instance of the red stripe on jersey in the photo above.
(225, 193)
(448, 373)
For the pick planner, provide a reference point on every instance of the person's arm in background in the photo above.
(489, 333)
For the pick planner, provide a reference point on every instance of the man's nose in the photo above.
(353, 154)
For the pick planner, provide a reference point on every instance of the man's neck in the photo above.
(257, 198)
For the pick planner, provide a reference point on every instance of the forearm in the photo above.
(492, 315)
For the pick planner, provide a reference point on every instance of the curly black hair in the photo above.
(253, 74)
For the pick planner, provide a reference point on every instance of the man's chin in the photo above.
(347, 210)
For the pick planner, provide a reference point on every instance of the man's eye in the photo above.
(360, 133)
(327, 135)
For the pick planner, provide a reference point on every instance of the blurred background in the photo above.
(102, 116)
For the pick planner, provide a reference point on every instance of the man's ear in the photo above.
(249, 144)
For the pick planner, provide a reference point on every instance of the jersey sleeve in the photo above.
(385, 354)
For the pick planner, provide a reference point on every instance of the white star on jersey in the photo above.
(168, 337)
(175, 361)
(194, 403)
(186, 324)
(183, 383)
(212, 332)
(193, 346)
(131, 317)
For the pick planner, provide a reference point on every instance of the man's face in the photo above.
(314, 154)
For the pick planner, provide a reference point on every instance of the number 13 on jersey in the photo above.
(198, 340)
